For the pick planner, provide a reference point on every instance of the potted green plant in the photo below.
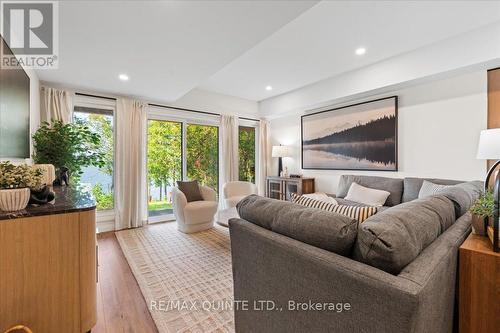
(481, 210)
(16, 181)
(70, 146)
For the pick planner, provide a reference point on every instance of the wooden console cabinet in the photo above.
(281, 188)
(48, 270)
(479, 288)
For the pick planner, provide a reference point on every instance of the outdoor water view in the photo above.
(99, 180)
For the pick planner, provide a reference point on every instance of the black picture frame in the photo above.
(396, 164)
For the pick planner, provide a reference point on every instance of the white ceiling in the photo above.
(166, 47)
(321, 42)
(239, 47)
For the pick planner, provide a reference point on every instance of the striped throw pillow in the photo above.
(357, 213)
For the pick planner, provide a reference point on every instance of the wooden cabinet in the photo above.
(281, 188)
(48, 272)
(479, 286)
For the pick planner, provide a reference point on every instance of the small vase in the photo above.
(478, 226)
(14, 199)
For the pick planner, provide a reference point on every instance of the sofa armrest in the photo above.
(268, 266)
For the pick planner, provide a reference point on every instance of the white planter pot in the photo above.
(14, 199)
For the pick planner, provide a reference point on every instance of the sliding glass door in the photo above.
(164, 165)
(202, 145)
(178, 150)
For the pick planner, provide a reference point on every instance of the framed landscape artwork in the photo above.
(362, 136)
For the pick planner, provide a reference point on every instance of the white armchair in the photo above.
(235, 191)
(195, 216)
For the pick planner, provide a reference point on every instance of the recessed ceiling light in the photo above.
(269, 88)
(123, 77)
(360, 51)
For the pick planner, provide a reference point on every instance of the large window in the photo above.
(178, 150)
(246, 150)
(202, 143)
(164, 164)
(99, 180)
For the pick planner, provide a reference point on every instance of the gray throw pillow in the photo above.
(463, 195)
(191, 190)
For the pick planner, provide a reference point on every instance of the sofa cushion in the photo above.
(191, 190)
(392, 239)
(463, 195)
(392, 185)
(413, 185)
(360, 213)
(330, 231)
(366, 195)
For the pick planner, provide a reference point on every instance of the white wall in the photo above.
(439, 125)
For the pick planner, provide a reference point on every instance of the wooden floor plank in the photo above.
(121, 306)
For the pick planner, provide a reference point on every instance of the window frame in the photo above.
(240, 126)
(256, 125)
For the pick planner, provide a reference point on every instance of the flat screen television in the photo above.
(14, 109)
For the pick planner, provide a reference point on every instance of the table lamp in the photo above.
(489, 149)
(280, 152)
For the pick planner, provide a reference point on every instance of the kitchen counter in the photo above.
(68, 199)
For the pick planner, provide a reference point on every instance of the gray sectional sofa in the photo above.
(299, 269)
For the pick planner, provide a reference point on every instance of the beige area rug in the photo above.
(186, 279)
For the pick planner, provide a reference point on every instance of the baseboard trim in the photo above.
(105, 226)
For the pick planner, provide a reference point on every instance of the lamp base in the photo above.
(280, 166)
(496, 214)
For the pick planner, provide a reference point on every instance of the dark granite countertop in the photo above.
(69, 199)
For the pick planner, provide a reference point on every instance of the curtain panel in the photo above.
(230, 156)
(130, 164)
(56, 105)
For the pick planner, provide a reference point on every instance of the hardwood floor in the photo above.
(120, 305)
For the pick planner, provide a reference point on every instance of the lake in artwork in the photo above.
(357, 137)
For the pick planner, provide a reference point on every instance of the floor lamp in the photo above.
(489, 148)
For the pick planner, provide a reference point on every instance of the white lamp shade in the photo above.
(281, 151)
(489, 145)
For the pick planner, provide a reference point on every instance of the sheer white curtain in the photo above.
(56, 105)
(229, 140)
(130, 164)
(264, 155)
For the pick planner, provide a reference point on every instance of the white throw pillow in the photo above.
(320, 196)
(429, 189)
(366, 195)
